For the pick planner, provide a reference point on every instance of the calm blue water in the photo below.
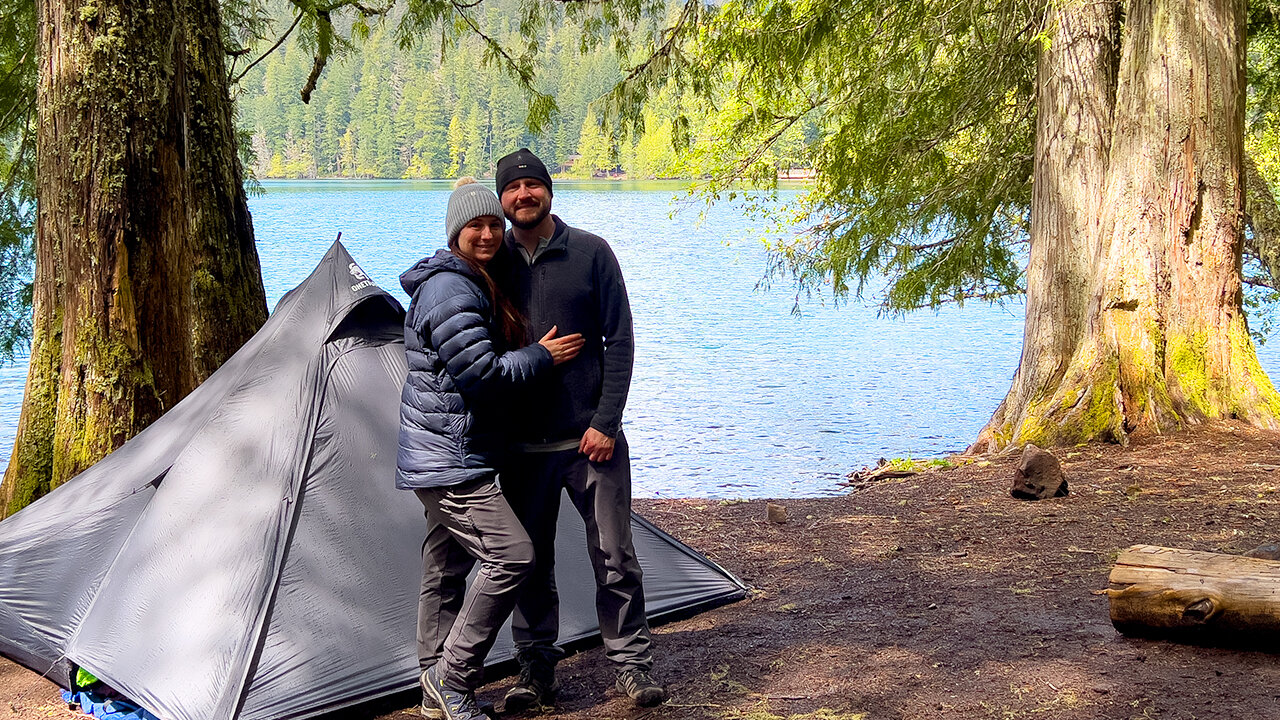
(732, 395)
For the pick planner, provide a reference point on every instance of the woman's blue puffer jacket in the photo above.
(452, 406)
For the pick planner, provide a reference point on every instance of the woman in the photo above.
(461, 337)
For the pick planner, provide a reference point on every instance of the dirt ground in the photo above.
(937, 596)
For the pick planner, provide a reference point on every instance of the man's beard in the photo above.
(529, 225)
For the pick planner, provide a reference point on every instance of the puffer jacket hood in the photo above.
(442, 261)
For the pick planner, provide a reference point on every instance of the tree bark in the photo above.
(1076, 78)
(1164, 342)
(147, 275)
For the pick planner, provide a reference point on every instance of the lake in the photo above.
(733, 396)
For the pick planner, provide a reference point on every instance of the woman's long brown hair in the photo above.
(509, 318)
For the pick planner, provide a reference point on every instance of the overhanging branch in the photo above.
(270, 50)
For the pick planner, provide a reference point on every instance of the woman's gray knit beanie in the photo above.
(469, 201)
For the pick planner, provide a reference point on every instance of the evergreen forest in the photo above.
(392, 109)
(1066, 153)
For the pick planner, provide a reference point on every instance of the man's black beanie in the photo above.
(521, 164)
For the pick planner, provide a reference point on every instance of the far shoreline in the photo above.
(782, 182)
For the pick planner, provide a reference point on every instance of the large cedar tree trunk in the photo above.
(1076, 75)
(1163, 340)
(147, 275)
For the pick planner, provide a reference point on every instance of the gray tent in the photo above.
(247, 556)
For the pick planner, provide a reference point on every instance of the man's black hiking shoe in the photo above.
(640, 687)
(537, 685)
(452, 704)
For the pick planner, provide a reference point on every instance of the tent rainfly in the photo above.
(247, 555)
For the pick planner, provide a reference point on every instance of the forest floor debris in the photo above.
(936, 596)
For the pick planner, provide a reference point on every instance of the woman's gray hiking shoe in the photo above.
(537, 685)
(429, 709)
(640, 687)
(452, 704)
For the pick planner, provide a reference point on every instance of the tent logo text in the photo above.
(363, 280)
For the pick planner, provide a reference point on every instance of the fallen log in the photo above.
(1195, 596)
(884, 470)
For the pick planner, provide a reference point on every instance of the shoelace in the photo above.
(532, 670)
(467, 702)
(639, 677)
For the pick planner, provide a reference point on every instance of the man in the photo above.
(568, 434)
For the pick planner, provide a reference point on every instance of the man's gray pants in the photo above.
(601, 492)
(456, 624)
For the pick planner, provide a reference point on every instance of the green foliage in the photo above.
(405, 107)
(1262, 143)
(245, 23)
(918, 120)
(596, 152)
(502, 43)
(17, 174)
(1263, 27)
(910, 464)
(1262, 304)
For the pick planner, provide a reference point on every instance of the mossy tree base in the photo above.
(1161, 339)
(147, 276)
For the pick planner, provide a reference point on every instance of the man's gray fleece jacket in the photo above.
(576, 285)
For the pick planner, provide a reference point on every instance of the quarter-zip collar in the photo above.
(558, 242)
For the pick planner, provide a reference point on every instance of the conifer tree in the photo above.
(146, 276)
(949, 136)
(595, 151)
(17, 176)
